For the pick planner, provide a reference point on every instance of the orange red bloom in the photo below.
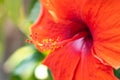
(83, 37)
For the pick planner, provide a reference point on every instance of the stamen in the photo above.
(31, 36)
(29, 41)
(52, 44)
(48, 44)
(36, 33)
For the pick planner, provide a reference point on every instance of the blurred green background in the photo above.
(19, 60)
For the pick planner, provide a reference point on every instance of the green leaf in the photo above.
(25, 69)
(23, 63)
(34, 12)
(50, 75)
(117, 73)
(32, 3)
(18, 56)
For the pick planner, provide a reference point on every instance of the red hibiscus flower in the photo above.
(83, 37)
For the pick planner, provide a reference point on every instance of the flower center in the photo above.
(56, 35)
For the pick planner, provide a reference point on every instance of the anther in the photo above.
(31, 35)
(29, 41)
(36, 33)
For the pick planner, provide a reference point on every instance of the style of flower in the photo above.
(82, 36)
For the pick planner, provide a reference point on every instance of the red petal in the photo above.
(47, 32)
(92, 69)
(103, 19)
(64, 61)
(63, 9)
(75, 62)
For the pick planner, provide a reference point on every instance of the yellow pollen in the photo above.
(48, 44)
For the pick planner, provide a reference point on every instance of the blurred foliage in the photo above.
(2, 15)
(14, 10)
(16, 13)
(32, 16)
(1, 1)
(19, 55)
(117, 73)
(32, 3)
(22, 64)
(1, 39)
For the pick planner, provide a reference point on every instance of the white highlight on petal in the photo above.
(78, 44)
(41, 72)
(53, 14)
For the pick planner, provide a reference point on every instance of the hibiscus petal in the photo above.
(103, 19)
(63, 9)
(63, 61)
(75, 62)
(93, 69)
(47, 32)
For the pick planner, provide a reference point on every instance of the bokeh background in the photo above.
(20, 60)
